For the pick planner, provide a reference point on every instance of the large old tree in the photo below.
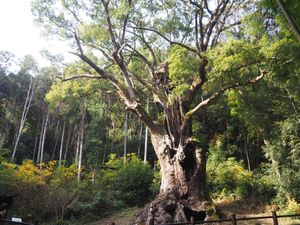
(169, 52)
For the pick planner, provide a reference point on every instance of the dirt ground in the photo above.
(128, 216)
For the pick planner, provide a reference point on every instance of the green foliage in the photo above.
(291, 207)
(183, 67)
(129, 182)
(229, 179)
(292, 6)
(40, 193)
(235, 60)
(261, 43)
(283, 151)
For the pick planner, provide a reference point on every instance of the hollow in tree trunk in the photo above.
(183, 192)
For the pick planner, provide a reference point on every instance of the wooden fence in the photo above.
(234, 220)
(7, 221)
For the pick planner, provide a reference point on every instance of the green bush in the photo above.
(129, 182)
(284, 153)
(93, 203)
(41, 193)
(53, 193)
(229, 179)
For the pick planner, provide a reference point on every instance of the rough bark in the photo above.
(183, 191)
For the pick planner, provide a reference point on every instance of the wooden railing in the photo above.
(7, 221)
(234, 220)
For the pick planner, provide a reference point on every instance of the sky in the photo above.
(20, 36)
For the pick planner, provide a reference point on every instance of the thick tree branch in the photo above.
(152, 52)
(214, 20)
(220, 92)
(197, 31)
(90, 76)
(124, 94)
(110, 26)
(206, 7)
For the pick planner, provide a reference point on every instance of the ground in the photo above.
(128, 216)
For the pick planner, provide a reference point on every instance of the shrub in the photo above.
(292, 207)
(41, 194)
(62, 191)
(229, 179)
(284, 153)
(129, 182)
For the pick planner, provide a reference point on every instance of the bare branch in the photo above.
(197, 31)
(90, 76)
(96, 46)
(167, 39)
(207, 8)
(73, 14)
(124, 29)
(78, 43)
(92, 64)
(214, 19)
(152, 52)
(110, 26)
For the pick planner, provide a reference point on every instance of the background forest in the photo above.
(71, 150)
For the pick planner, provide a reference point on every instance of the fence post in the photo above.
(192, 220)
(151, 222)
(275, 219)
(233, 219)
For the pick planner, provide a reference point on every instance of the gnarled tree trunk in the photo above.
(183, 192)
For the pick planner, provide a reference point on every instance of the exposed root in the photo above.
(171, 209)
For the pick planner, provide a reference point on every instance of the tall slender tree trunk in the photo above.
(81, 140)
(140, 138)
(43, 139)
(26, 107)
(247, 151)
(80, 151)
(290, 19)
(146, 136)
(68, 142)
(56, 140)
(36, 141)
(77, 147)
(61, 144)
(125, 136)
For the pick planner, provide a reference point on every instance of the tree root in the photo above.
(170, 209)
